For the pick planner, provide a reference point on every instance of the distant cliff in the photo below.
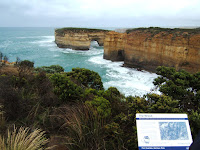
(147, 48)
(78, 38)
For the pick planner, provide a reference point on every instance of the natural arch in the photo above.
(79, 38)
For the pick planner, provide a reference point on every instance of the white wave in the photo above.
(91, 52)
(129, 81)
(33, 37)
(70, 51)
(100, 60)
(56, 55)
(6, 43)
(45, 41)
(94, 44)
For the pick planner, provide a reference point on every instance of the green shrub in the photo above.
(26, 63)
(194, 119)
(112, 94)
(86, 77)
(25, 67)
(102, 105)
(50, 69)
(179, 85)
(137, 104)
(162, 104)
(65, 89)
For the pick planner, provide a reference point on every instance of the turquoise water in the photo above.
(37, 44)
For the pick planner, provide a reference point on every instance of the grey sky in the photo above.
(99, 13)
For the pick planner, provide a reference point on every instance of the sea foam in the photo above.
(128, 80)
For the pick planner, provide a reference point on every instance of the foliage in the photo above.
(2, 119)
(137, 104)
(23, 140)
(61, 31)
(9, 98)
(102, 105)
(26, 63)
(50, 69)
(25, 67)
(162, 104)
(1, 56)
(17, 61)
(194, 119)
(116, 99)
(181, 86)
(156, 30)
(86, 77)
(65, 89)
(83, 128)
(112, 94)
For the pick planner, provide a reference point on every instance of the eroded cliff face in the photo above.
(114, 44)
(150, 48)
(78, 38)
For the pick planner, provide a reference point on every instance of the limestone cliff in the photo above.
(114, 44)
(78, 38)
(147, 48)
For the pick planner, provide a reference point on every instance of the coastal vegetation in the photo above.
(157, 30)
(61, 31)
(72, 110)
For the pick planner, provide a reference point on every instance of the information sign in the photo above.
(163, 131)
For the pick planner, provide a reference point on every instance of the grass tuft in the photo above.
(23, 139)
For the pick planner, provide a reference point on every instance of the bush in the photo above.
(65, 89)
(179, 85)
(88, 78)
(26, 63)
(25, 67)
(194, 119)
(102, 105)
(50, 69)
(162, 104)
(9, 98)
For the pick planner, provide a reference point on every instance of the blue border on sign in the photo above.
(161, 118)
(164, 148)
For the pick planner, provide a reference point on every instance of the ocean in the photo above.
(37, 45)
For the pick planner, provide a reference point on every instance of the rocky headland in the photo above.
(148, 48)
(143, 48)
(79, 38)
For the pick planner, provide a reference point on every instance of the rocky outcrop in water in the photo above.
(148, 48)
(78, 38)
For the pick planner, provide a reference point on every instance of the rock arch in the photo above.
(79, 38)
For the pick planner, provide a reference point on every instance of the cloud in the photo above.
(87, 12)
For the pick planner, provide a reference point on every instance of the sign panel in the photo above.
(163, 131)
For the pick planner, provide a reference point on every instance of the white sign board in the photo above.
(163, 131)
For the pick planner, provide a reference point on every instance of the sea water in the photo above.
(37, 45)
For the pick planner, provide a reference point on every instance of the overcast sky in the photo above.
(99, 13)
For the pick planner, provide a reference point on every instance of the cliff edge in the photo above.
(78, 38)
(148, 48)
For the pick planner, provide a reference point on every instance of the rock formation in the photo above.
(148, 48)
(78, 38)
